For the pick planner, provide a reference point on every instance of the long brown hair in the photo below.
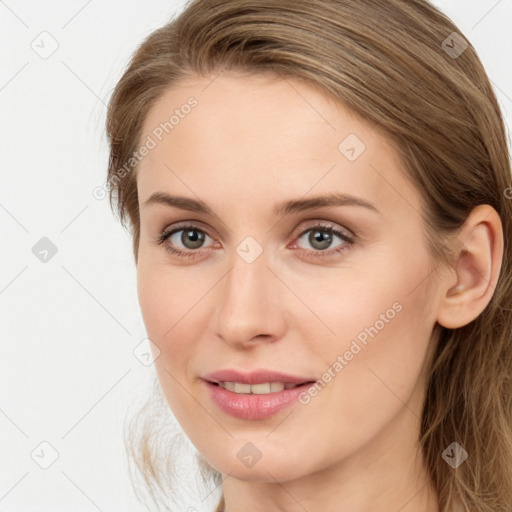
(403, 66)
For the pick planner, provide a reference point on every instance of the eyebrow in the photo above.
(282, 209)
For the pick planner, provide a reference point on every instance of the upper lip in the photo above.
(255, 377)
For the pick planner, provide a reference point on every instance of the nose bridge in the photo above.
(247, 303)
(246, 283)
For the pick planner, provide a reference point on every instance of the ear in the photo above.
(477, 265)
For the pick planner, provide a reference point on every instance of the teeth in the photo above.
(242, 388)
(256, 389)
(230, 386)
(260, 389)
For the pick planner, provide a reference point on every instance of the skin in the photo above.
(253, 142)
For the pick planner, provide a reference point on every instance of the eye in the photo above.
(321, 237)
(191, 237)
(192, 240)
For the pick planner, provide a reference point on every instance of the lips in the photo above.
(256, 395)
(255, 377)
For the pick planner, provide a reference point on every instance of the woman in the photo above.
(318, 194)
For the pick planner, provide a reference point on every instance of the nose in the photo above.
(251, 307)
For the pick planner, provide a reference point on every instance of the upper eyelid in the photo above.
(184, 225)
(298, 232)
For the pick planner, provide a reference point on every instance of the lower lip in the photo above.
(254, 407)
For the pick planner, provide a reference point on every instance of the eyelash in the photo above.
(191, 253)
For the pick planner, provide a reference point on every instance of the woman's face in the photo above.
(262, 290)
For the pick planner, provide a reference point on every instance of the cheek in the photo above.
(164, 301)
(165, 295)
(171, 303)
(154, 302)
(373, 362)
(162, 304)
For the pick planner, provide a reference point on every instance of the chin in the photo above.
(274, 467)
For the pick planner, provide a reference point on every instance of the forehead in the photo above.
(260, 136)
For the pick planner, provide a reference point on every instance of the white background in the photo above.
(69, 326)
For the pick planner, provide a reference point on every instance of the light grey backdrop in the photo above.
(71, 358)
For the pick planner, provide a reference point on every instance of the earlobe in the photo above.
(477, 266)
